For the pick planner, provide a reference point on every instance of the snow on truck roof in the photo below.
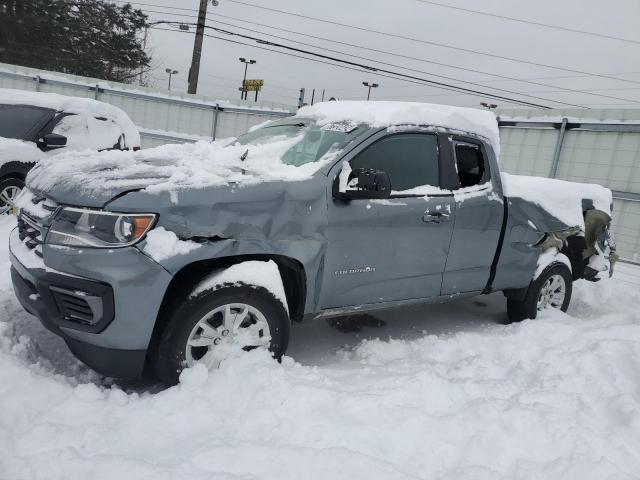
(385, 114)
(76, 105)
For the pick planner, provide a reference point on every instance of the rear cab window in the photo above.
(470, 162)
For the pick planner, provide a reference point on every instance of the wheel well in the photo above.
(292, 272)
(573, 248)
(15, 169)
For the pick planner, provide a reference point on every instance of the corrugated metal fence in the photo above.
(162, 116)
(587, 146)
(590, 146)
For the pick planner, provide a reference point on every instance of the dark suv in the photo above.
(36, 125)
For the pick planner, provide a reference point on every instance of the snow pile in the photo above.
(171, 167)
(254, 273)
(384, 114)
(548, 257)
(561, 199)
(555, 398)
(12, 150)
(162, 244)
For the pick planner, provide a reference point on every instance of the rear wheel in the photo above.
(10, 188)
(206, 328)
(552, 289)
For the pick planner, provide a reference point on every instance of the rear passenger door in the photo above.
(393, 249)
(479, 215)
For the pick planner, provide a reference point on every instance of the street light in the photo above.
(370, 86)
(488, 106)
(171, 73)
(243, 91)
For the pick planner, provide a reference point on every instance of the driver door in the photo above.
(393, 249)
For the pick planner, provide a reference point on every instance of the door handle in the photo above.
(434, 216)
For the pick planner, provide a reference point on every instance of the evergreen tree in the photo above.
(82, 37)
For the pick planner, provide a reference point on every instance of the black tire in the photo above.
(8, 183)
(528, 308)
(170, 356)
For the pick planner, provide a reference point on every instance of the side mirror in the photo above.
(367, 184)
(51, 140)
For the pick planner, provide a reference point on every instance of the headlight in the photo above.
(78, 227)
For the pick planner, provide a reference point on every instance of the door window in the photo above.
(469, 164)
(411, 160)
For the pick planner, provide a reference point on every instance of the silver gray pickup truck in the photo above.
(152, 261)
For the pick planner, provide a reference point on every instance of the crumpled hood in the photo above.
(93, 179)
(94, 185)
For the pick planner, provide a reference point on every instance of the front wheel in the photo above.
(552, 289)
(207, 327)
(10, 188)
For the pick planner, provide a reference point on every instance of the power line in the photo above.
(427, 42)
(434, 74)
(363, 69)
(383, 63)
(376, 69)
(504, 77)
(586, 92)
(530, 22)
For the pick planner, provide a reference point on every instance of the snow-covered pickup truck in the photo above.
(36, 125)
(175, 255)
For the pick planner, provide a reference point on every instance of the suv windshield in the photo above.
(18, 121)
(314, 142)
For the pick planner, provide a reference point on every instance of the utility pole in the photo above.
(194, 71)
(313, 95)
(322, 99)
(370, 86)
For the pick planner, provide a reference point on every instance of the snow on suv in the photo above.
(36, 125)
(172, 256)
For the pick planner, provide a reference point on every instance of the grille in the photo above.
(73, 306)
(30, 224)
(30, 233)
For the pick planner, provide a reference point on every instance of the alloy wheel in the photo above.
(552, 293)
(8, 197)
(231, 324)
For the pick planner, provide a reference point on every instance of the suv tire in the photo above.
(202, 318)
(552, 289)
(10, 188)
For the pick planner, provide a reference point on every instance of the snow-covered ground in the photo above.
(439, 392)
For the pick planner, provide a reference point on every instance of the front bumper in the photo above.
(103, 303)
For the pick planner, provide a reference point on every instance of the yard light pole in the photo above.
(243, 92)
(488, 106)
(171, 73)
(370, 86)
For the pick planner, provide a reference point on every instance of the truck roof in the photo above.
(386, 114)
(76, 105)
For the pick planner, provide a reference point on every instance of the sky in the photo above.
(546, 66)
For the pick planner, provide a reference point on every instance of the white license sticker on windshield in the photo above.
(345, 126)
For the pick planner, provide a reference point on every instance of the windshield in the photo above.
(17, 121)
(314, 142)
